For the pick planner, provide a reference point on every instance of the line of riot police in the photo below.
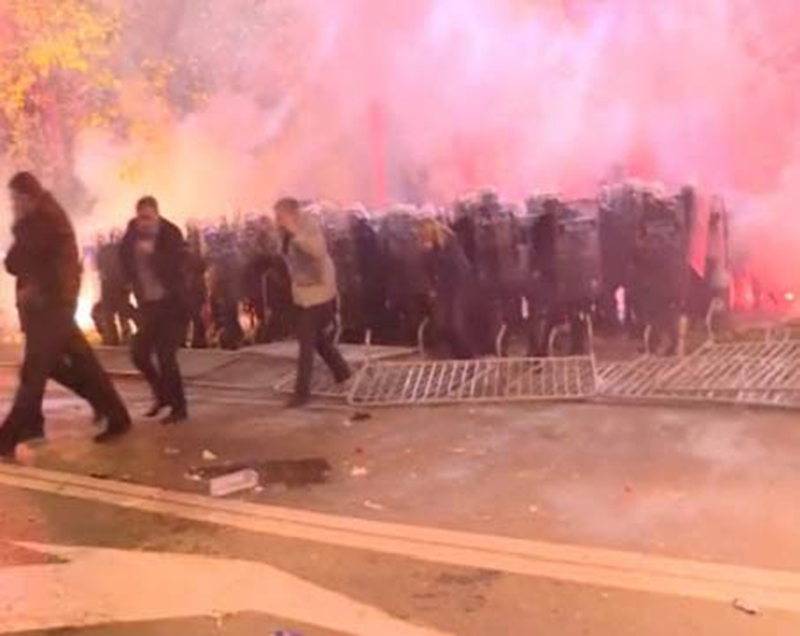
(481, 277)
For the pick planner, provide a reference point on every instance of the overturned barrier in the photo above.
(745, 373)
(634, 381)
(323, 383)
(474, 381)
(746, 366)
(244, 371)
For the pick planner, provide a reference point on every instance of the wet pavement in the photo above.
(658, 490)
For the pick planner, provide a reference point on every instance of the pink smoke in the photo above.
(374, 100)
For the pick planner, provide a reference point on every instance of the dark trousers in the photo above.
(663, 316)
(197, 325)
(55, 348)
(452, 320)
(161, 330)
(316, 331)
(113, 316)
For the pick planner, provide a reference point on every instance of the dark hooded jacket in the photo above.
(170, 261)
(45, 259)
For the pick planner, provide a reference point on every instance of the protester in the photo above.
(46, 263)
(154, 257)
(314, 292)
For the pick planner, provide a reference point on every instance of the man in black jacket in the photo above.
(153, 255)
(45, 261)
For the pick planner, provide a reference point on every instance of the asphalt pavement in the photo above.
(549, 519)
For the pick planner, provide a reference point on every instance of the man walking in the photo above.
(45, 261)
(153, 255)
(314, 292)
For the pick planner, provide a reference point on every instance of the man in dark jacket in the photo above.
(45, 261)
(153, 255)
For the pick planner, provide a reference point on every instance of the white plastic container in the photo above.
(233, 483)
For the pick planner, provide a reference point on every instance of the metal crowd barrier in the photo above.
(745, 366)
(474, 381)
(763, 373)
(322, 383)
(634, 381)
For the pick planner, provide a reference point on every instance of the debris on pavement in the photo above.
(747, 608)
(283, 632)
(233, 483)
(533, 510)
(292, 473)
(359, 471)
(208, 456)
(103, 476)
(171, 452)
(192, 476)
(361, 416)
(371, 505)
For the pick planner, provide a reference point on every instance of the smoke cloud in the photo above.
(359, 100)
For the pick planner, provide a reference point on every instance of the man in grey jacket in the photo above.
(314, 291)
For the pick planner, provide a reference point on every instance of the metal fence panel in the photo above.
(469, 381)
(323, 384)
(737, 367)
(636, 380)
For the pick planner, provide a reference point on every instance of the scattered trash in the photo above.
(172, 451)
(458, 451)
(533, 510)
(292, 473)
(361, 416)
(192, 476)
(359, 471)
(373, 506)
(359, 451)
(629, 489)
(208, 456)
(747, 608)
(283, 632)
(103, 476)
(233, 483)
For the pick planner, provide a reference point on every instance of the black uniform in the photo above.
(453, 282)
(162, 318)
(114, 313)
(45, 260)
(197, 297)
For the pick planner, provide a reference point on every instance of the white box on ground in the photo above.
(233, 483)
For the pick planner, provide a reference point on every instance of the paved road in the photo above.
(554, 520)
